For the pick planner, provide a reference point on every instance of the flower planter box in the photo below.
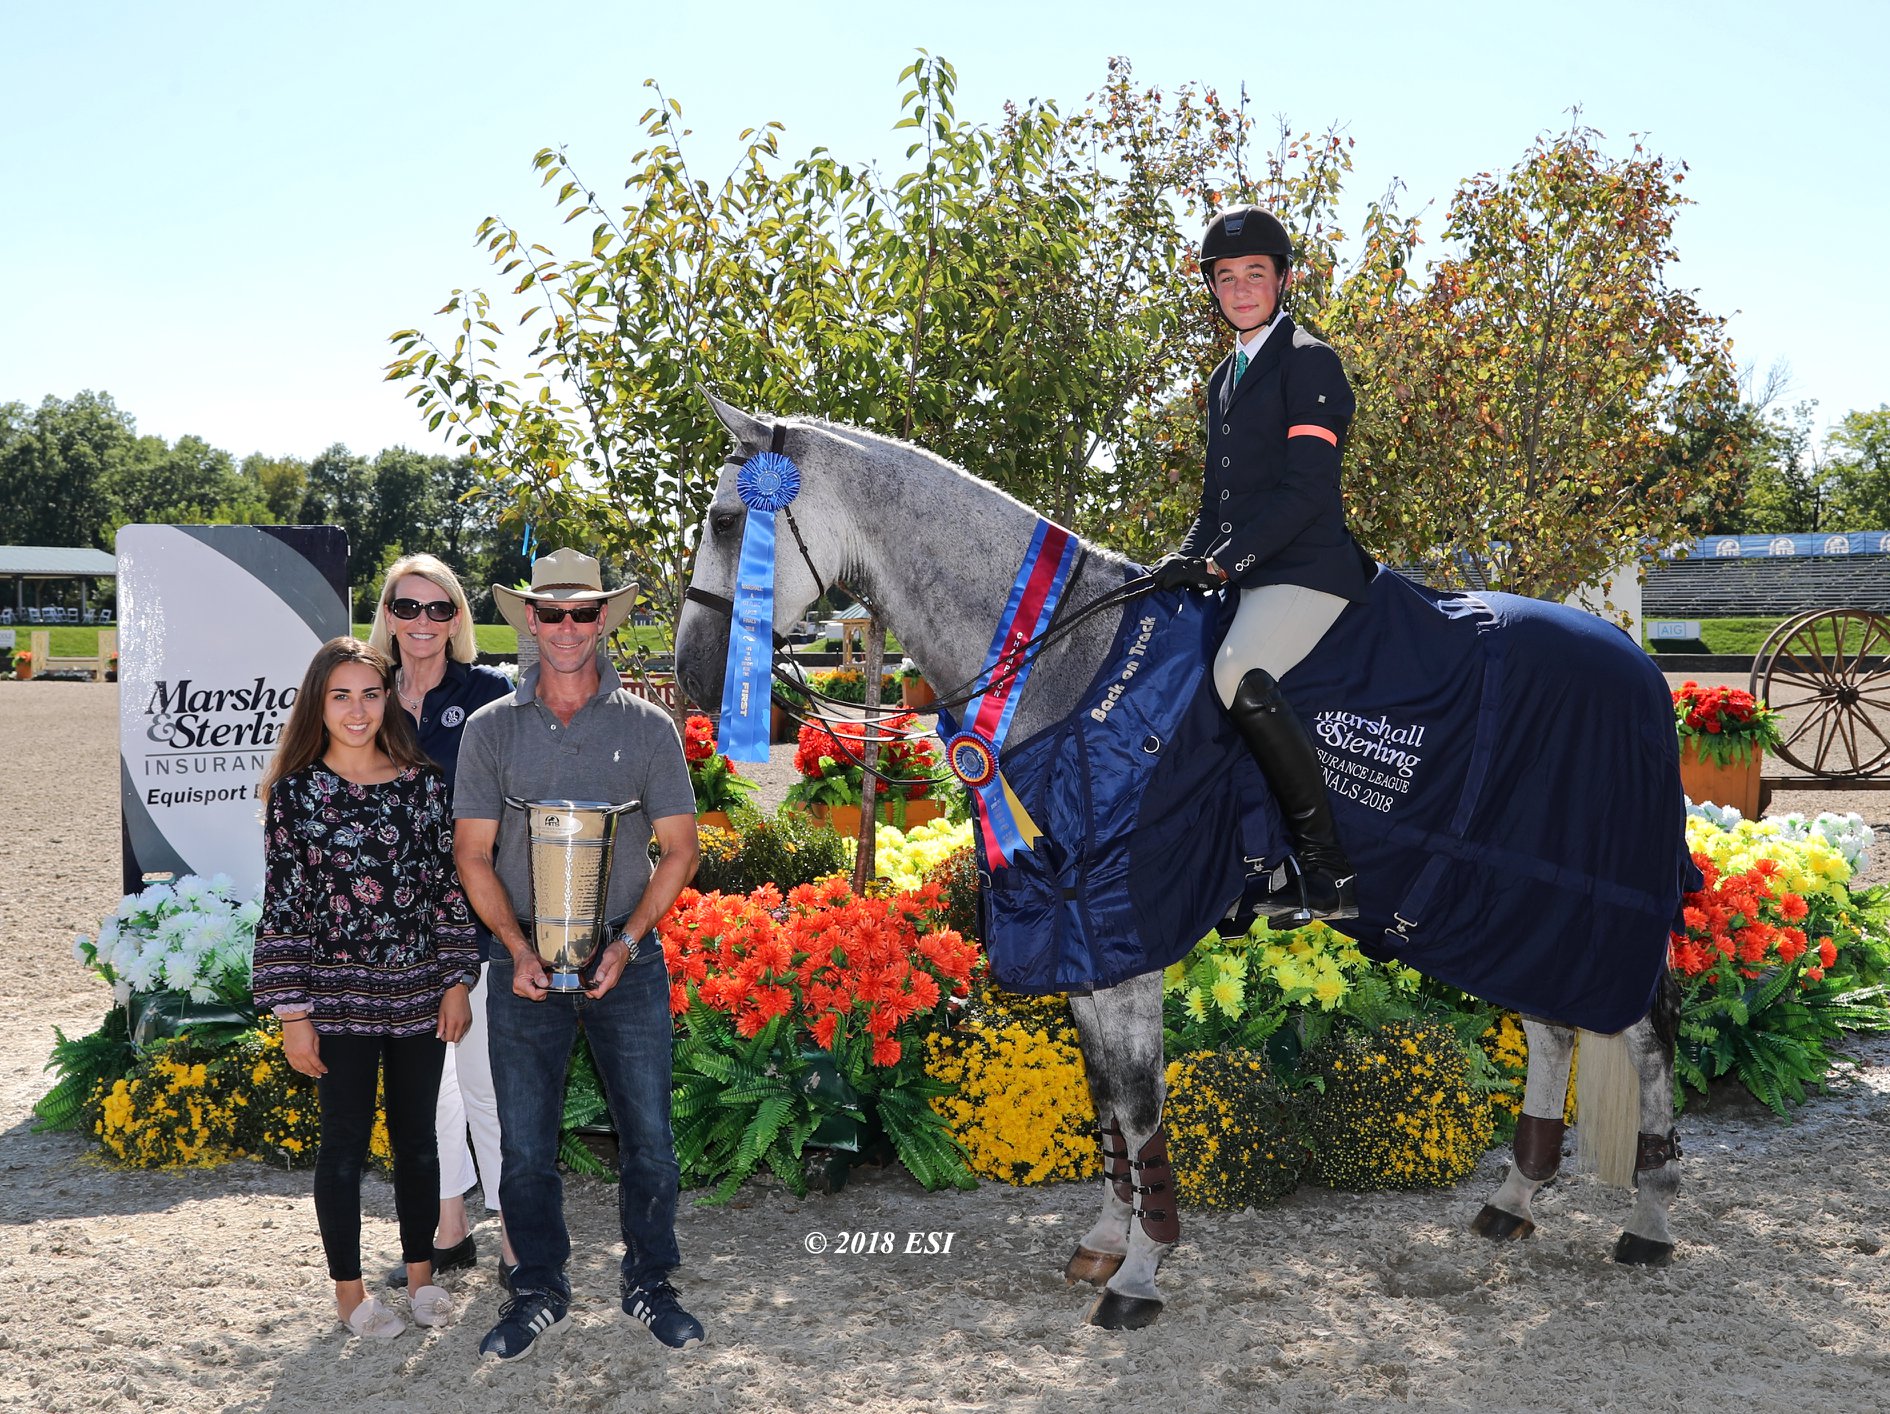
(917, 694)
(845, 819)
(718, 818)
(1736, 785)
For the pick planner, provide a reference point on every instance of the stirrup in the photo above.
(1295, 905)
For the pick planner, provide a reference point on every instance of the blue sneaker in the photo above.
(521, 1321)
(658, 1307)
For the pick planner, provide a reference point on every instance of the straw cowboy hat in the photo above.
(565, 577)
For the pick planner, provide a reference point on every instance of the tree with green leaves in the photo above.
(57, 465)
(1859, 450)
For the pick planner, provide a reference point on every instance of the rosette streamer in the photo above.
(768, 482)
(1004, 826)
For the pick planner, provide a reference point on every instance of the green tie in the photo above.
(1240, 363)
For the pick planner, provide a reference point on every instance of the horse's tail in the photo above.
(1607, 1107)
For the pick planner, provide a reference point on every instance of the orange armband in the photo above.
(1313, 429)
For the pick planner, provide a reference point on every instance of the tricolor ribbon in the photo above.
(971, 752)
(767, 482)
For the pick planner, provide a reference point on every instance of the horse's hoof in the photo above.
(1500, 1226)
(1115, 1312)
(1632, 1251)
(1093, 1267)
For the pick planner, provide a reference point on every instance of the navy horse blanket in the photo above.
(1504, 774)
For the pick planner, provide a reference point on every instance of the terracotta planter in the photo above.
(1736, 785)
(917, 694)
(845, 819)
(717, 818)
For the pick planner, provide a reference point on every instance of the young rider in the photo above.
(1271, 523)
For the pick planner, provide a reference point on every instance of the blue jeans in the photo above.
(530, 1043)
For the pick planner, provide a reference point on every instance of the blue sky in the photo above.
(217, 212)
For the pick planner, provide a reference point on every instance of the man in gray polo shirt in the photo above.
(573, 732)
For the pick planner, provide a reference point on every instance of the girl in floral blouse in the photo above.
(366, 951)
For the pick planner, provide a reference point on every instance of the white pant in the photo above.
(467, 1102)
(1275, 627)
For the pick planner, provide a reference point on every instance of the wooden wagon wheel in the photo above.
(1814, 671)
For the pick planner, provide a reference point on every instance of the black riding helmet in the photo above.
(1242, 230)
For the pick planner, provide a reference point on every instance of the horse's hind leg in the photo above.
(1126, 1053)
(1648, 1238)
(1099, 1252)
(1539, 1130)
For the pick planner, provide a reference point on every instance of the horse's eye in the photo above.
(722, 522)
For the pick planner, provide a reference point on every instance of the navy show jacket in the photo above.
(1270, 506)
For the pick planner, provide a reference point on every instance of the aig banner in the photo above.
(217, 624)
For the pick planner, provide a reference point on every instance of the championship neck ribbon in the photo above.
(767, 482)
(1005, 827)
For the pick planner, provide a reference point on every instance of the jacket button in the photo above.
(1227, 461)
(1226, 428)
(1226, 494)
(1226, 528)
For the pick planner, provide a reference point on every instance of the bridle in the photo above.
(871, 732)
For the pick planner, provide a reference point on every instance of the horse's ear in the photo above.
(749, 431)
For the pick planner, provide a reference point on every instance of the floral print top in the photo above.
(363, 917)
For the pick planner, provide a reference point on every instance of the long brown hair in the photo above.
(305, 738)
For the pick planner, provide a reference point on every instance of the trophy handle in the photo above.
(518, 804)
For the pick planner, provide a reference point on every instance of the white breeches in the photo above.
(467, 1103)
(1275, 627)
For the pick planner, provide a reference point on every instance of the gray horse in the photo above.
(934, 548)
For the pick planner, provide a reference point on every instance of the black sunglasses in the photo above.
(578, 613)
(439, 610)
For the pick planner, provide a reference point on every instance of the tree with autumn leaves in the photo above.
(1530, 411)
(1538, 403)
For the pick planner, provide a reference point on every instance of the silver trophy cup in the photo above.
(570, 848)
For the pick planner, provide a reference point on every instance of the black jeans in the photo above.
(412, 1065)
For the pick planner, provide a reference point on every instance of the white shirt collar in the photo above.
(1251, 346)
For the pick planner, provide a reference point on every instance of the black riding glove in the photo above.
(1179, 571)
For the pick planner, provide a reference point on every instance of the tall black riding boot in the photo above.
(1319, 882)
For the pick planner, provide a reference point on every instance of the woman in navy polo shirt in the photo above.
(424, 624)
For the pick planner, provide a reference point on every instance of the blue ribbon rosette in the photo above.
(768, 482)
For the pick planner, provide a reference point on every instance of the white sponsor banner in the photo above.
(216, 627)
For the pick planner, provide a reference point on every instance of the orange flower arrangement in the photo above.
(875, 973)
(827, 754)
(718, 785)
(1739, 925)
(1726, 722)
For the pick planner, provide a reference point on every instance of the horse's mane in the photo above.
(866, 440)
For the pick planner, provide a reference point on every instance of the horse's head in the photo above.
(702, 631)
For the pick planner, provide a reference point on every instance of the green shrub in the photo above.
(1235, 1134)
(785, 851)
(957, 878)
(1395, 1108)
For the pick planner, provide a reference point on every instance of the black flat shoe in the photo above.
(457, 1258)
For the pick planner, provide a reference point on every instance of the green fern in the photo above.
(83, 1062)
(1773, 1037)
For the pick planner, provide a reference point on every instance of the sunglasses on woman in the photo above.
(578, 613)
(437, 609)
